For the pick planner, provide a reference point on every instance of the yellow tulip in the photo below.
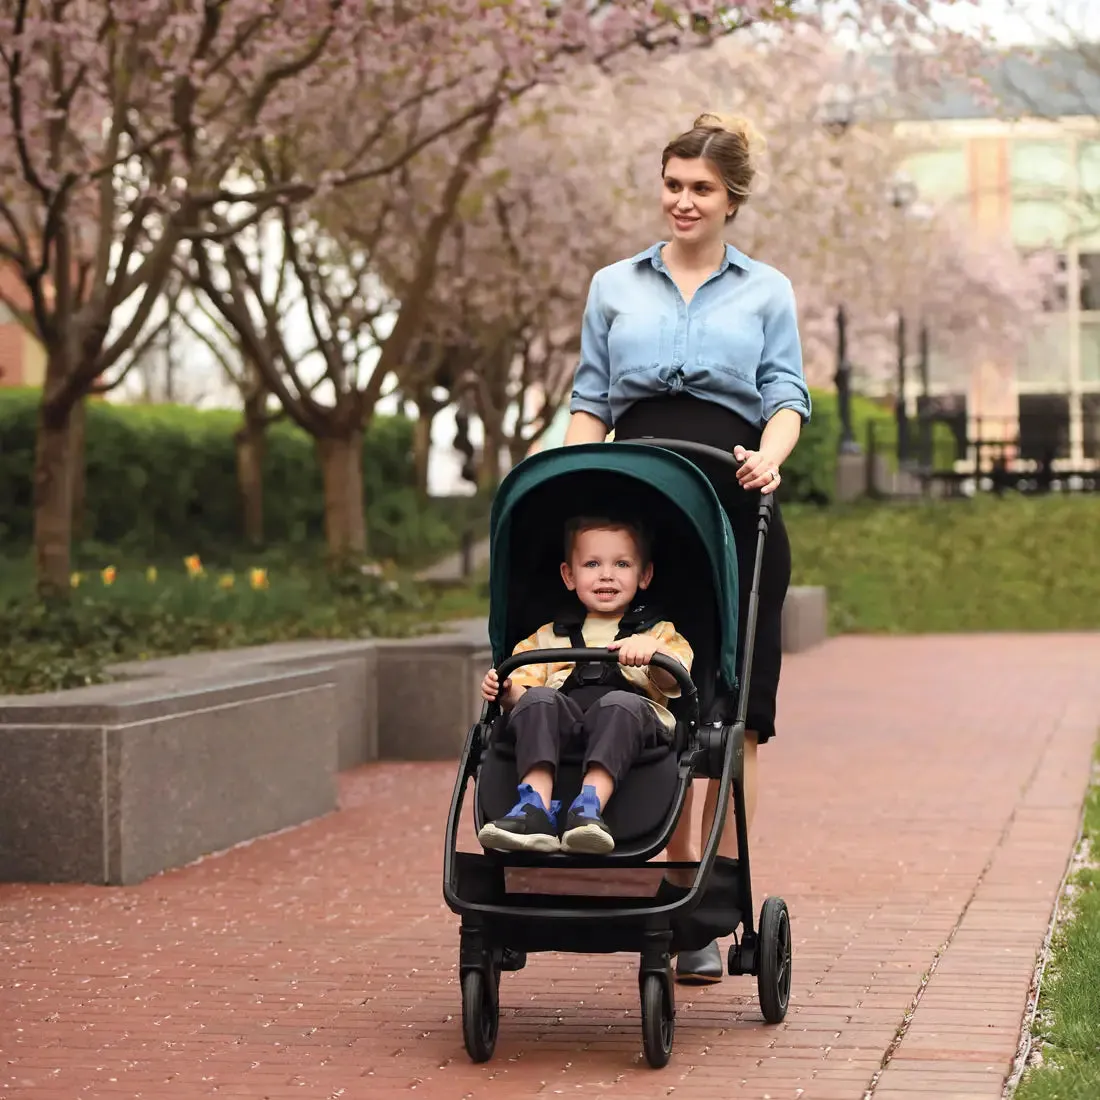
(74, 580)
(193, 565)
(109, 575)
(151, 574)
(257, 578)
(225, 580)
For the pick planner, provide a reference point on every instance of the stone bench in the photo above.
(113, 783)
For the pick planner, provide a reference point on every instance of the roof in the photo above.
(1056, 82)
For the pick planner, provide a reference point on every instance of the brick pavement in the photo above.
(918, 809)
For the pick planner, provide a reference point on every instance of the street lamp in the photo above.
(903, 193)
(925, 412)
(836, 111)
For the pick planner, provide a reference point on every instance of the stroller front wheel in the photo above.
(480, 1016)
(658, 1021)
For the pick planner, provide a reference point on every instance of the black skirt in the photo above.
(698, 421)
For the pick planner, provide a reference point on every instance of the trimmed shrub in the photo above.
(162, 478)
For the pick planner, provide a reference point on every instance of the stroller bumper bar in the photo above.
(688, 692)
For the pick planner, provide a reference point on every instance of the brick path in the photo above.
(920, 804)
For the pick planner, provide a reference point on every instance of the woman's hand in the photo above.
(757, 470)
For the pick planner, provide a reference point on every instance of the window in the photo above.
(1044, 426)
(1090, 349)
(1045, 357)
(1090, 280)
(939, 173)
(1090, 417)
(1040, 178)
(1040, 169)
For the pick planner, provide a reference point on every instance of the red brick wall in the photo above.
(13, 339)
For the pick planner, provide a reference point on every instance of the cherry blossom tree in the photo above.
(123, 125)
(120, 124)
(364, 251)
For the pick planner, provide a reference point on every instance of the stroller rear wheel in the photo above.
(480, 1015)
(773, 979)
(658, 1021)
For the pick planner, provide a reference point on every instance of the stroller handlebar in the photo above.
(688, 691)
(687, 448)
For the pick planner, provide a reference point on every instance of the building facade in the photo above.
(1024, 162)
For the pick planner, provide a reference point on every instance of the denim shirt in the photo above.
(735, 343)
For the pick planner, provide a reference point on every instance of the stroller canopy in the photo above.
(695, 567)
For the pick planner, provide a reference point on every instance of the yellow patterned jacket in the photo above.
(598, 634)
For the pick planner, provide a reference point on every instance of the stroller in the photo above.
(669, 484)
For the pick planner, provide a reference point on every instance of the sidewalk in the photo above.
(917, 811)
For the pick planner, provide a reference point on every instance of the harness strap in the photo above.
(601, 674)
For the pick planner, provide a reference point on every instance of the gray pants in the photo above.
(613, 731)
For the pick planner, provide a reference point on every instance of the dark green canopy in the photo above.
(695, 566)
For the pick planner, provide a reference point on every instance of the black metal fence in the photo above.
(990, 454)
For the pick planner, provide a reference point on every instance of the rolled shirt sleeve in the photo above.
(780, 378)
(592, 379)
(675, 645)
(529, 676)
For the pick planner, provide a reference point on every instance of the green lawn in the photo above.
(1068, 1026)
(1015, 563)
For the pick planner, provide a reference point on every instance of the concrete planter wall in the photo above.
(190, 755)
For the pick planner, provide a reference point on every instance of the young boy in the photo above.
(606, 563)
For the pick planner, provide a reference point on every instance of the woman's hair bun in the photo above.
(732, 124)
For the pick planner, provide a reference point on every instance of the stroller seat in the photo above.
(635, 815)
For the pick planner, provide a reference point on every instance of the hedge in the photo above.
(163, 478)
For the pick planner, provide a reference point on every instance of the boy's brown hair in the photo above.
(579, 524)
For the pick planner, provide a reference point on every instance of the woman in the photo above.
(693, 340)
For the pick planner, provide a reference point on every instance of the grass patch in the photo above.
(988, 564)
(1068, 1024)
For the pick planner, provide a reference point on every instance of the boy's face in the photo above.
(606, 571)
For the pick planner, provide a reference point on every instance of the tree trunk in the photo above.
(251, 441)
(488, 475)
(53, 502)
(78, 465)
(422, 443)
(341, 461)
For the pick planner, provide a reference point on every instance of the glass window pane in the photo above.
(1090, 416)
(1045, 357)
(1090, 280)
(1088, 214)
(1040, 169)
(1040, 224)
(939, 173)
(1090, 350)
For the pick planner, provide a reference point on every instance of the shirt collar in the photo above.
(652, 255)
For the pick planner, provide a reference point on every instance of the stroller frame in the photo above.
(496, 931)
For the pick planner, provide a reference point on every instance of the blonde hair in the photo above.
(731, 145)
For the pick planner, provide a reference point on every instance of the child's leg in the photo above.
(617, 728)
(541, 721)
